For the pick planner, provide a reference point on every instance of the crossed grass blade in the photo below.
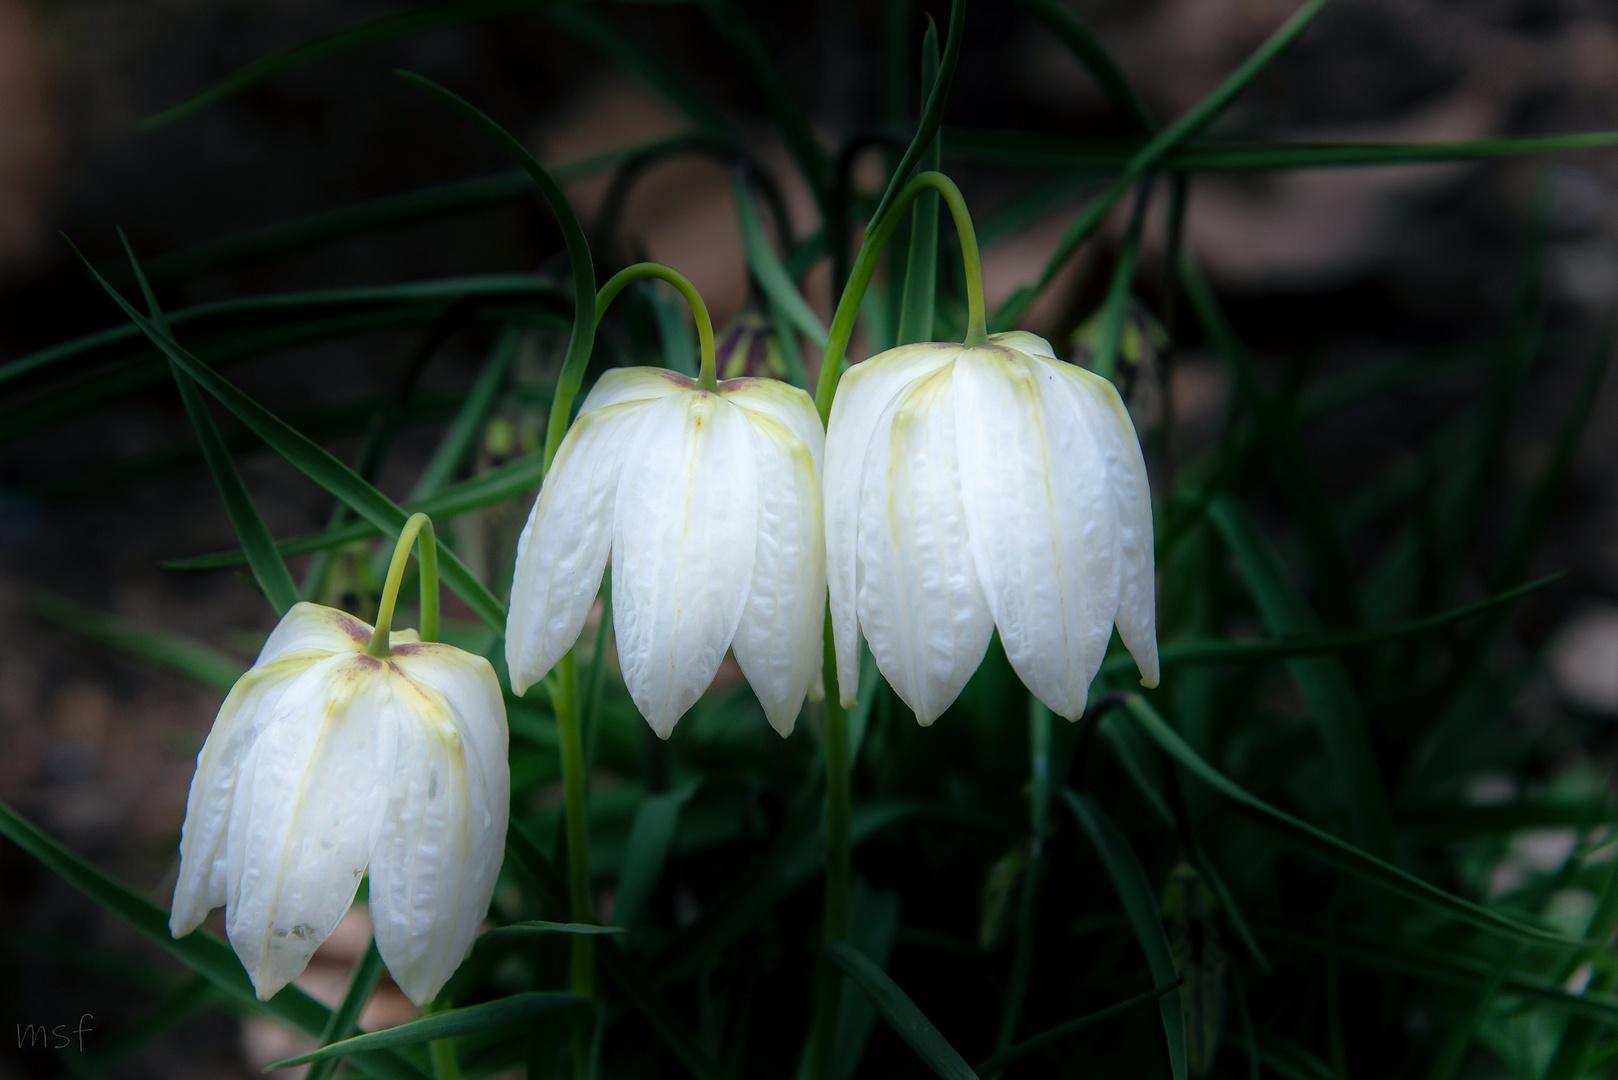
(901, 1014)
(201, 952)
(313, 461)
(506, 1012)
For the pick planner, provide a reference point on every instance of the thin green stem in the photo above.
(839, 848)
(707, 376)
(570, 737)
(441, 1052)
(876, 241)
(418, 526)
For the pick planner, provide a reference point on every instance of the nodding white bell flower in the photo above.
(327, 763)
(970, 488)
(709, 505)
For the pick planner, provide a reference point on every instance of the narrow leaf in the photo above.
(201, 952)
(538, 927)
(933, 115)
(770, 273)
(1327, 847)
(921, 267)
(1139, 899)
(504, 1012)
(651, 837)
(1061, 21)
(347, 39)
(895, 1006)
(1036, 1043)
(315, 462)
(191, 658)
(345, 1018)
(468, 423)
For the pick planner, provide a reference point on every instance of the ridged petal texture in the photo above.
(973, 489)
(325, 763)
(708, 506)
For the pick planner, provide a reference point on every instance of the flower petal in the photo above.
(563, 548)
(306, 815)
(779, 639)
(784, 403)
(1132, 495)
(1024, 342)
(308, 626)
(918, 596)
(443, 836)
(685, 531)
(618, 385)
(863, 394)
(201, 884)
(1042, 520)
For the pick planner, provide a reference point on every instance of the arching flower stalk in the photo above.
(349, 750)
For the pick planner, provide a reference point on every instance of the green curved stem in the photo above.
(417, 527)
(876, 241)
(707, 376)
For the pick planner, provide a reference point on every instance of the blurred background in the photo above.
(1320, 271)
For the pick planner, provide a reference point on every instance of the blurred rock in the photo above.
(1584, 661)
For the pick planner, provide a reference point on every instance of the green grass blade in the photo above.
(1323, 681)
(190, 658)
(1140, 903)
(510, 480)
(1447, 1062)
(1120, 290)
(1220, 651)
(582, 339)
(921, 266)
(1060, 21)
(345, 1018)
(468, 423)
(679, 344)
(810, 156)
(769, 271)
(581, 24)
(1287, 460)
(539, 927)
(1343, 855)
(201, 952)
(651, 838)
(435, 295)
(873, 917)
(504, 1012)
(932, 115)
(315, 463)
(257, 544)
(1183, 129)
(347, 39)
(1091, 155)
(1035, 1043)
(379, 215)
(895, 1006)
(541, 878)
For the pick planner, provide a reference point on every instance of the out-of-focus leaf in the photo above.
(895, 1006)
(1442, 820)
(190, 658)
(1061, 21)
(379, 215)
(651, 837)
(1322, 680)
(345, 1018)
(1183, 129)
(933, 114)
(539, 927)
(198, 950)
(468, 423)
(503, 1012)
(1447, 1062)
(1036, 1043)
(873, 917)
(257, 544)
(767, 269)
(348, 39)
(1327, 847)
(1139, 900)
(316, 463)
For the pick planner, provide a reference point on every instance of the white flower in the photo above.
(975, 488)
(709, 504)
(325, 764)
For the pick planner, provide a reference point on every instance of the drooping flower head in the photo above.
(975, 488)
(327, 763)
(708, 502)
